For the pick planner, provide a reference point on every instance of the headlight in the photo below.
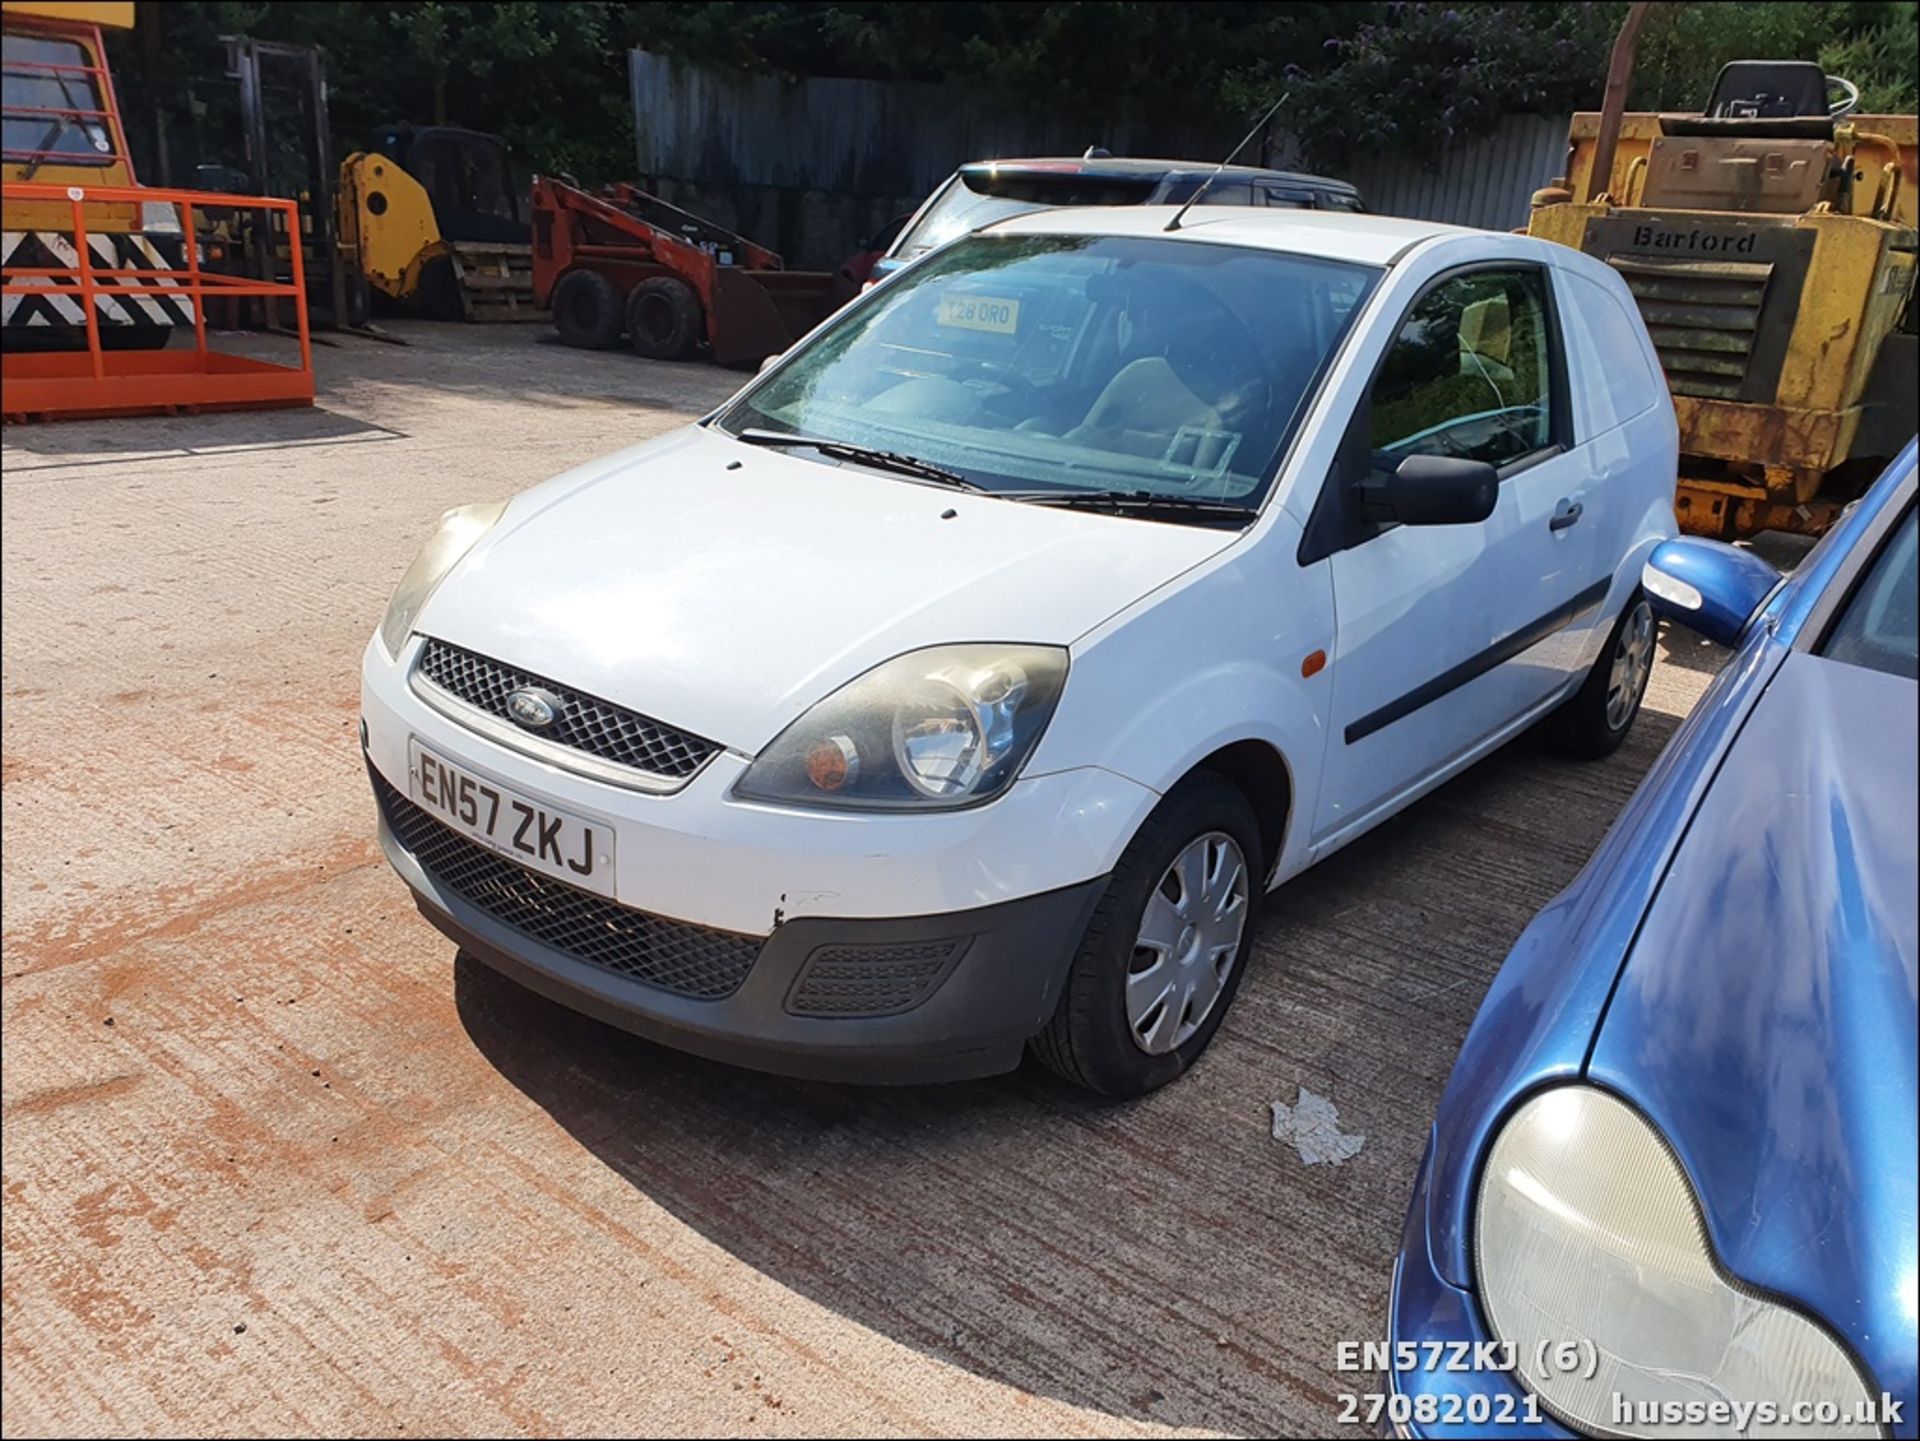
(1594, 1265)
(930, 730)
(458, 531)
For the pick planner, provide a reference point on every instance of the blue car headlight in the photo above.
(1594, 1265)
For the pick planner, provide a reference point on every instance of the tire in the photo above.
(1596, 718)
(359, 303)
(132, 337)
(663, 318)
(586, 310)
(65, 339)
(439, 293)
(1091, 1038)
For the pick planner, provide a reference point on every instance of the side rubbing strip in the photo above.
(1524, 639)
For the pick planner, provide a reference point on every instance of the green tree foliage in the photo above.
(1883, 59)
(551, 77)
(1416, 77)
(1683, 47)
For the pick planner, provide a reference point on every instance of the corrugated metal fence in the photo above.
(809, 166)
(862, 137)
(1484, 182)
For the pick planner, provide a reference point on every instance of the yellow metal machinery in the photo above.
(59, 94)
(1770, 244)
(387, 225)
(436, 220)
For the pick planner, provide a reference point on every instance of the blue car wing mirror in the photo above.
(1708, 586)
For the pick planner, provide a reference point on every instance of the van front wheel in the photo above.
(1164, 952)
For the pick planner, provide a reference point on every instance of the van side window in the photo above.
(1470, 372)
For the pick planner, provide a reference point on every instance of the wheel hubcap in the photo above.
(1632, 663)
(1188, 942)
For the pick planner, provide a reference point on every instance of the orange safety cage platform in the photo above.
(99, 382)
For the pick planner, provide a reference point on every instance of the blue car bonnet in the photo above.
(1766, 1018)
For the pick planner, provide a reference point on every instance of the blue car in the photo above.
(1671, 1186)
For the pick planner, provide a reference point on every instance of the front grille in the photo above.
(582, 722)
(871, 980)
(1703, 317)
(685, 959)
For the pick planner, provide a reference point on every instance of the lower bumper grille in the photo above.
(685, 959)
(872, 980)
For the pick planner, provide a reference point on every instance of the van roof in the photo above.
(1333, 234)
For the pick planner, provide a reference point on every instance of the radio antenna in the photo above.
(1180, 214)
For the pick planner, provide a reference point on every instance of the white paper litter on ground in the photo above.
(1313, 1125)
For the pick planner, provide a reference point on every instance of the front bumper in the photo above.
(1425, 1312)
(1008, 964)
(1000, 894)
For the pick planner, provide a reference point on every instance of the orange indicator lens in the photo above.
(832, 763)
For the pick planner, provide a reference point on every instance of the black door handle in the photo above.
(1566, 513)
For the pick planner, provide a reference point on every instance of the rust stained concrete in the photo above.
(275, 1161)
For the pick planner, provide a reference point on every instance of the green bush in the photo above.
(1882, 61)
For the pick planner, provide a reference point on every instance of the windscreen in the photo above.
(1090, 363)
(52, 108)
(1880, 627)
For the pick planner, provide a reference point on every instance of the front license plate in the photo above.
(536, 833)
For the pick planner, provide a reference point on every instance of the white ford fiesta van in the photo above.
(963, 683)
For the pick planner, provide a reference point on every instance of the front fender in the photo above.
(1215, 662)
(1539, 1017)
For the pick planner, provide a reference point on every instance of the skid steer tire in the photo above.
(586, 310)
(663, 318)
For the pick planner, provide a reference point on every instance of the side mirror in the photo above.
(1431, 490)
(767, 362)
(1708, 586)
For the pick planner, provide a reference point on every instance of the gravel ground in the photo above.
(275, 1161)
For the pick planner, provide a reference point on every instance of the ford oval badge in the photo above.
(532, 707)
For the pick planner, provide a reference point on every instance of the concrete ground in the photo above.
(274, 1161)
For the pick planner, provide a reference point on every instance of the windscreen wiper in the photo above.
(864, 455)
(1133, 502)
(44, 151)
